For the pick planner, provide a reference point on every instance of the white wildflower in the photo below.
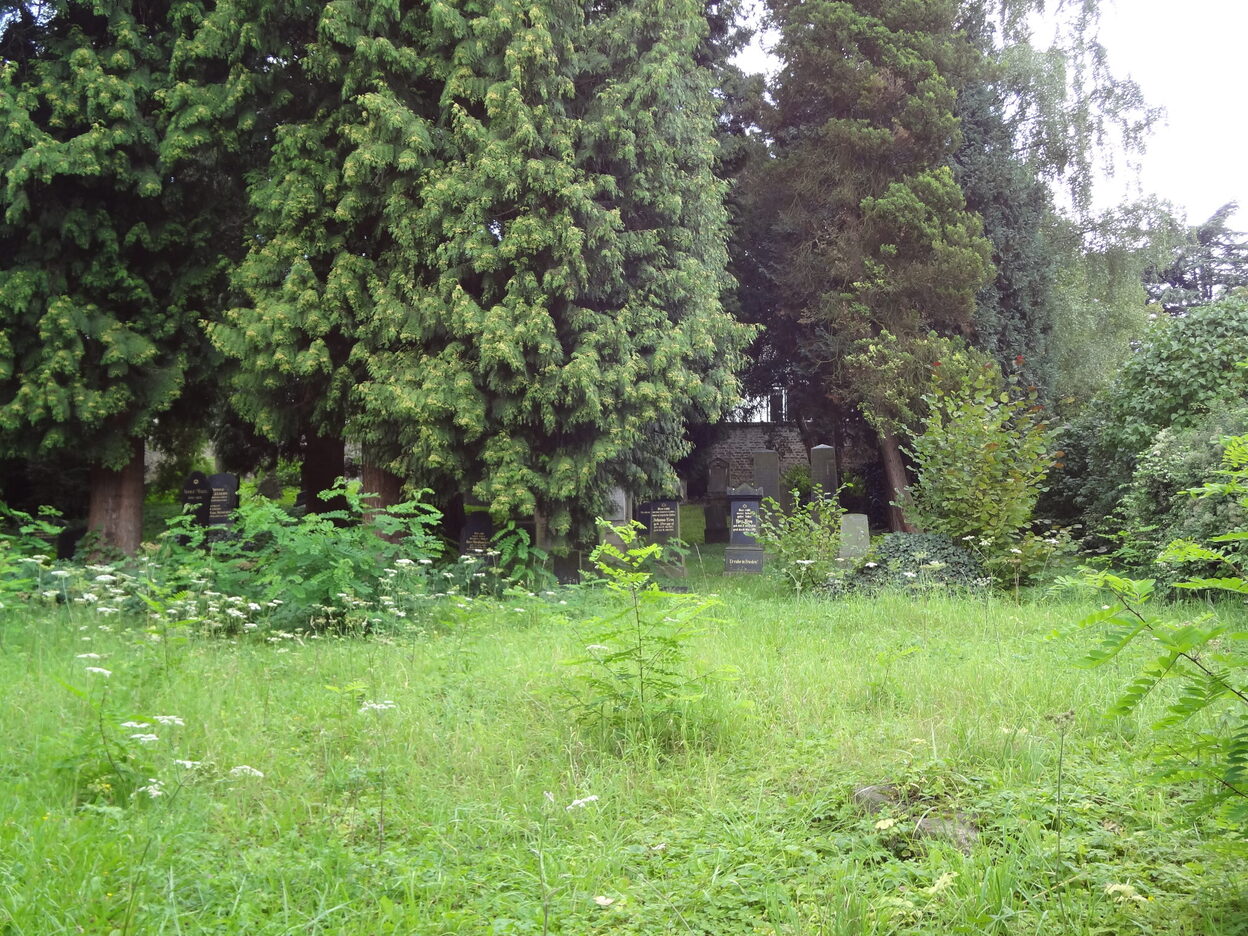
(581, 803)
(99, 671)
(136, 724)
(153, 789)
(145, 738)
(169, 719)
(604, 901)
(426, 562)
(105, 579)
(88, 656)
(909, 574)
(404, 562)
(381, 706)
(60, 573)
(189, 764)
(242, 770)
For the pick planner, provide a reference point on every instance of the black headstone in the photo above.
(195, 495)
(743, 553)
(477, 531)
(661, 518)
(222, 499)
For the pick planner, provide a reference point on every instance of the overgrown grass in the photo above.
(452, 811)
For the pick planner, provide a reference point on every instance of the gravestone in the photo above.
(222, 502)
(743, 553)
(477, 531)
(717, 503)
(270, 487)
(222, 499)
(855, 537)
(195, 494)
(661, 518)
(823, 469)
(767, 473)
(619, 512)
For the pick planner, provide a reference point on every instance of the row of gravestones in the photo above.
(745, 555)
(213, 499)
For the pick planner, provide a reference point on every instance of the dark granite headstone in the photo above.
(195, 494)
(661, 518)
(767, 473)
(223, 499)
(823, 469)
(743, 553)
(477, 531)
(717, 503)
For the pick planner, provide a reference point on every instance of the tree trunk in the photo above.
(323, 459)
(385, 489)
(115, 511)
(896, 482)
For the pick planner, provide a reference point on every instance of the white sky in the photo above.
(1190, 58)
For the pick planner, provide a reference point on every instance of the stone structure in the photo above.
(743, 553)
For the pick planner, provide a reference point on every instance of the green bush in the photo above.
(981, 463)
(319, 570)
(1204, 732)
(916, 561)
(804, 543)
(1157, 509)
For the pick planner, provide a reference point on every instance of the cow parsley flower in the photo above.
(242, 770)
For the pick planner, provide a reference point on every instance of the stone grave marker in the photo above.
(823, 469)
(477, 531)
(767, 473)
(743, 553)
(222, 502)
(855, 538)
(716, 509)
(195, 494)
(661, 518)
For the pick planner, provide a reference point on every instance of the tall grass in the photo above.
(452, 811)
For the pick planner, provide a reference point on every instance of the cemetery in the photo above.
(617, 468)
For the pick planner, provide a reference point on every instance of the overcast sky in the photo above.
(1190, 58)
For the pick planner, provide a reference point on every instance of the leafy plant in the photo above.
(320, 568)
(634, 682)
(1206, 722)
(981, 460)
(519, 561)
(806, 541)
(917, 561)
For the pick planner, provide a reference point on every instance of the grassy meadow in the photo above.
(433, 779)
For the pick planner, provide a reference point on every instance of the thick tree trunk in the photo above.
(896, 482)
(323, 460)
(115, 510)
(385, 489)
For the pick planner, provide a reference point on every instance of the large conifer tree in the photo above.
(871, 232)
(106, 257)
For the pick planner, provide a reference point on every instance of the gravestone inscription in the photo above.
(223, 499)
(743, 553)
(661, 518)
(195, 495)
(476, 533)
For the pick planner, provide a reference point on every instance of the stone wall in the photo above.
(742, 441)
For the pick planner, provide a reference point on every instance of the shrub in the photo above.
(981, 462)
(633, 681)
(1205, 728)
(804, 543)
(919, 561)
(1157, 509)
(319, 569)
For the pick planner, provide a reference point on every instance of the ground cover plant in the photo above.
(431, 777)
